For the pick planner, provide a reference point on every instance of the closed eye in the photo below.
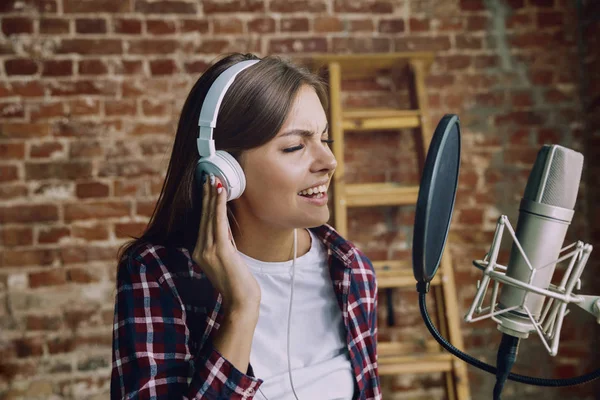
(300, 147)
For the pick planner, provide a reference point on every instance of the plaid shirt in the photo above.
(167, 312)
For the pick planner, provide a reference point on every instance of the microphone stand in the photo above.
(507, 355)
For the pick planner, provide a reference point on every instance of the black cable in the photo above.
(492, 370)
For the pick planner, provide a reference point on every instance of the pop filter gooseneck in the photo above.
(435, 205)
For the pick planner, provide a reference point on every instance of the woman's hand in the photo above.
(216, 255)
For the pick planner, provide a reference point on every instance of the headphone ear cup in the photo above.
(225, 167)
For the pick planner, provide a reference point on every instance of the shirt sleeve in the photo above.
(151, 352)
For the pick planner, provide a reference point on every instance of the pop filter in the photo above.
(435, 203)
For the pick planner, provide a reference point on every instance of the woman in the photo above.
(257, 297)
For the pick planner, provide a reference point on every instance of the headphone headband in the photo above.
(212, 104)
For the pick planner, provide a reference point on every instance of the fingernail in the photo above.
(219, 189)
(219, 185)
(212, 180)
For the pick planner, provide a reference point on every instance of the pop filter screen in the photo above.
(435, 203)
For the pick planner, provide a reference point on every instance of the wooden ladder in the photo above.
(392, 359)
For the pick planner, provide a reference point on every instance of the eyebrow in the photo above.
(302, 132)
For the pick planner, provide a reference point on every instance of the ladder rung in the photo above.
(415, 364)
(393, 349)
(380, 194)
(393, 273)
(380, 118)
(360, 65)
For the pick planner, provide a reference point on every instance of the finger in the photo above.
(221, 223)
(210, 212)
(203, 219)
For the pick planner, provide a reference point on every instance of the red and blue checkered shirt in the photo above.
(167, 311)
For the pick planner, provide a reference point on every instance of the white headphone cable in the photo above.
(290, 315)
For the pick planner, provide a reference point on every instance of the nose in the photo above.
(325, 160)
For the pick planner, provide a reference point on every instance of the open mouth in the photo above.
(316, 193)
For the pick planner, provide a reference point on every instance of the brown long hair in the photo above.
(252, 112)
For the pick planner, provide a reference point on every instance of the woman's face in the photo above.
(294, 160)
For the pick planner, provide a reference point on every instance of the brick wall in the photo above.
(90, 93)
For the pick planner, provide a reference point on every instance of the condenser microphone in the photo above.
(545, 213)
(529, 301)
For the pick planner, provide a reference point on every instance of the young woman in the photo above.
(255, 298)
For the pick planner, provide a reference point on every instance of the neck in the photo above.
(268, 245)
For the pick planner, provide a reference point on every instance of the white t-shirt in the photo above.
(320, 362)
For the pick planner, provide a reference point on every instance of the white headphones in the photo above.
(220, 163)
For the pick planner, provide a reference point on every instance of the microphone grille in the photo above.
(555, 176)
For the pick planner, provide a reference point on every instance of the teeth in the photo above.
(317, 189)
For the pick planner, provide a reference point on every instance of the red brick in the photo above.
(28, 213)
(97, 210)
(128, 26)
(155, 108)
(163, 67)
(294, 25)
(486, 61)
(160, 27)
(28, 257)
(468, 42)
(261, 25)
(361, 25)
(12, 110)
(85, 149)
(153, 46)
(90, 46)
(20, 66)
(90, 233)
(165, 7)
(52, 234)
(472, 5)
(418, 25)
(477, 23)
(29, 346)
(12, 237)
(81, 275)
(45, 150)
(58, 170)
(16, 25)
(96, 6)
(516, 4)
(54, 25)
(145, 208)
(422, 43)
(213, 46)
(84, 106)
(28, 89)
(542, 77)
(61, 345)
(90, 25)
(542, 3)
(57, 68)
(8, 173)
(554, 96)
(12, 151)
(195, 67)
(131, 229)
(83, 87)
(391, 25)
(86, 190)
(517, 20)
(360, 45)
(450, 24)
(45, 111)
(193, 25)
(43, 323)
(120, 107)
(550, 19)
(92, 67)
(14, 191)
(372, 6)
(457, 62)
(548, 136)
(522, 99)
(306, 45)
(88, 253)
(130, 67)
(233, 6)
